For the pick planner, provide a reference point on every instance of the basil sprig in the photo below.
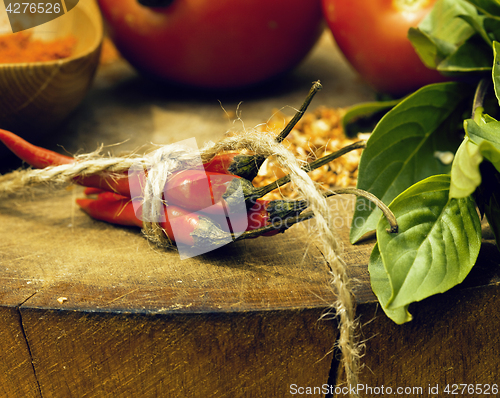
(434, 158)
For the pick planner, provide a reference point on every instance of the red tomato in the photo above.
(373, 36)
(214, 43)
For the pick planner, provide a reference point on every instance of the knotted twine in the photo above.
(171, 158)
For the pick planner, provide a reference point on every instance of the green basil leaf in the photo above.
(427, 48)
(441, 32)
(487, 136)
(438, 242)
(465, 175)
(401, 150)
(490, 7)
(496, 69)
(472, 56)
(477, 23)
(358, 117)
(381, 286)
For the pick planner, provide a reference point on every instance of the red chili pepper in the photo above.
(110, 207)
(220, 163)
(198, 190)
(92, 191)
(119, 210)
(189, 190)
(195, 190)
(213, 193)
(40, 158)
(261, 214)
(35, 156)
(120, 184)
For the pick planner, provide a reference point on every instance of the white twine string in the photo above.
(172, 158)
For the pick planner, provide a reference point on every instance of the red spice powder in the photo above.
(21, 47)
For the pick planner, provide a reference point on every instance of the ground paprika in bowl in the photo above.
(38, 95)
(22, 47)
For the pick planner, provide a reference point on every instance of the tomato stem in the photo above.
(156, 3)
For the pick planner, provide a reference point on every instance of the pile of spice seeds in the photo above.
(317, 134)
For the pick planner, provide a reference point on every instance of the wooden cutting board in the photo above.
(89, 309)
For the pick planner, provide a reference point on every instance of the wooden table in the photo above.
(89, 309)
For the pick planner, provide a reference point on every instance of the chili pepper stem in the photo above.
(282, 224)
(311, 166)
(247, 166)
(388, 214)
(298, 115)
(288, 222)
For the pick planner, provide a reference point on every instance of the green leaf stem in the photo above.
(489, 196)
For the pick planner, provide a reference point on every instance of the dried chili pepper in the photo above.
(110, 207)
(195, 190)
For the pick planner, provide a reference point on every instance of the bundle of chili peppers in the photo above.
(201, 208)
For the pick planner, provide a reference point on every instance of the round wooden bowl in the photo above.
(37, 96)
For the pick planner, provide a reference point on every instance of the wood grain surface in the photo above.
(93, 310)
(104, 312)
